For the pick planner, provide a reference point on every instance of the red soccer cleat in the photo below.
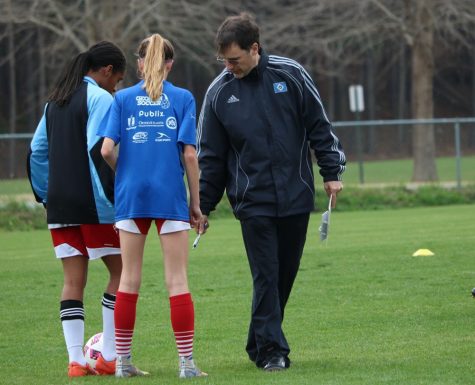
(105, 368)
(78, 370)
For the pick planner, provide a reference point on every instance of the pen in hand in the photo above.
(197, 239)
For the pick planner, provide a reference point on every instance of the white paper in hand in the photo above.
(325, 225)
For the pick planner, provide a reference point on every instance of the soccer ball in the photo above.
(92, 349)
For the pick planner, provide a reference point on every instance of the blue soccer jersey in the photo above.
(149, 176)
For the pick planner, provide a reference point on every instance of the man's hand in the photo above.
(332, 189)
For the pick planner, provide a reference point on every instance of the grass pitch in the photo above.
(363, 310)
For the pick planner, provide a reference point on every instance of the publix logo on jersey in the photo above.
(163, 102)
(151, 114)
(171, 123)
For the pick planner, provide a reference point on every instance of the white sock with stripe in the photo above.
(72, 320)
(108, 330)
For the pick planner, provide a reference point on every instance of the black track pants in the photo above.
(274, 248)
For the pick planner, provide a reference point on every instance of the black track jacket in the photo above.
(254, 140)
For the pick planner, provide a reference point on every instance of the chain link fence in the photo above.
(363, 141)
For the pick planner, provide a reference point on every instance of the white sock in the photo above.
(108, 329)
(74, 336)
(72, 319)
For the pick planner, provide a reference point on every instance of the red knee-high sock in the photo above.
(182, 314)
(124, 318)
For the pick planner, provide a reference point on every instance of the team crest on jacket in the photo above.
(280, 87)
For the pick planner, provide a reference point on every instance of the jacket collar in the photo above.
(88, 79)
(258, 70)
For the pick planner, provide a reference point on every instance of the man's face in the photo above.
(239, 61)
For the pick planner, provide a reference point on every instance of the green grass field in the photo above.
(363, 310)
(400, 170)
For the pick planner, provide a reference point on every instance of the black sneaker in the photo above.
(275, 364)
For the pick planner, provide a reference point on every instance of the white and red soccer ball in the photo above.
(93, 349)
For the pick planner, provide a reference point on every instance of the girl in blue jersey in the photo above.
(69, 176)
(155, 124)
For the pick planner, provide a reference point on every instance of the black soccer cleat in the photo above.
(473, 292)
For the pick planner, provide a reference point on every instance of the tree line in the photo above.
(415, 58)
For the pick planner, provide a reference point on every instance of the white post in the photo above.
(357, 106)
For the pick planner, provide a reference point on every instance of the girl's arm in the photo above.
(108, 153)
(192, 175)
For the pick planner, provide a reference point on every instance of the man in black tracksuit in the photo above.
(259, 119)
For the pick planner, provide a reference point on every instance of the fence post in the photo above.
(458, 155)
(359, 149)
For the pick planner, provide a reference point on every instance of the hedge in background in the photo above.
(22, 216)
(363, 198)
(355, 198)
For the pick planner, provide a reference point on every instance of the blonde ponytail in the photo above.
(154, 67)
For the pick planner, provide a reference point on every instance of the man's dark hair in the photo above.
(240, 29)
